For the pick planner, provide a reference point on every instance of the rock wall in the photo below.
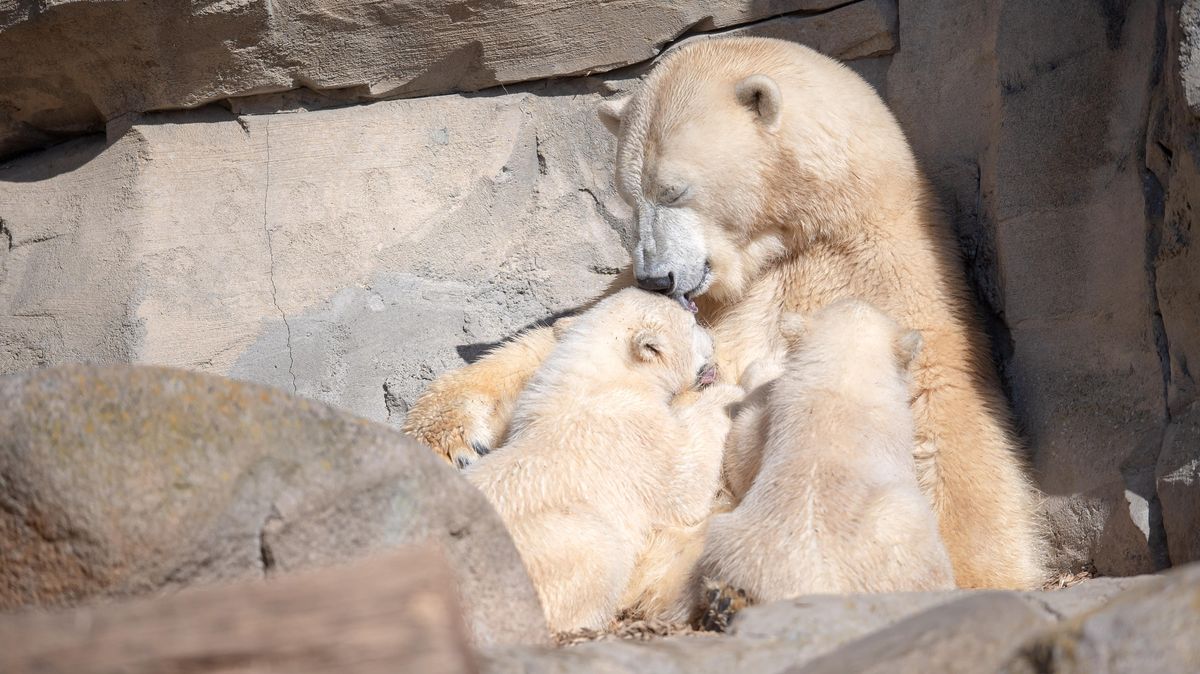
(237, 197)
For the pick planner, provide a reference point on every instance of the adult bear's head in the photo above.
(736, 151)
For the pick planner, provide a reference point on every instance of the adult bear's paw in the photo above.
(722, 602)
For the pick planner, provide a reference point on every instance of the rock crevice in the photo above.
(266, 215)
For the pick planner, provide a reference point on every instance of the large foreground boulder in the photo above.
(1150, 628)
(120, 481)
(393, 613)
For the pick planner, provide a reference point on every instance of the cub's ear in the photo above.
(561, 326)
(762, 96)
(610, 113)
(793, 327)
(908, 347)
(647, 345)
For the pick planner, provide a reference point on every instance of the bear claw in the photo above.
(721, 603)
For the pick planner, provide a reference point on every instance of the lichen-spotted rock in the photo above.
(117, 481)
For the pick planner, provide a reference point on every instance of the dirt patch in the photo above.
(633, 628)
(1070, 579)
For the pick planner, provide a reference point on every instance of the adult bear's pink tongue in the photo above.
(687, 303)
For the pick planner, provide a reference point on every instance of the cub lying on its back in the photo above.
(835, 506)
(603, 450)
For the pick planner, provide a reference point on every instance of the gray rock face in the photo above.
(348, 50)
(350, 254)
(1179, 485)
(1070, 205)
(976, 633)
(1172, 158)
(960, 631)
(1151, 628)
(394, 612)
(120, 481)
(318, 252)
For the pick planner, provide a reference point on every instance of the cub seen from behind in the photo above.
(835, 506)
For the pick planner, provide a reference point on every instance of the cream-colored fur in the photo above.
(608, 444)
(765, 179)
(836, 507)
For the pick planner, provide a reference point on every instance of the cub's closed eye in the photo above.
(673, 195)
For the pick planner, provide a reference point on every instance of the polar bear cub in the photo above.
(835, 506)
(618, 434)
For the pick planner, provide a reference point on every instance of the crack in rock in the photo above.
(12, 244)
(266, 555)
(1154, 196)
(271, 254)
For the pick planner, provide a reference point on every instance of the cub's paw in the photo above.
(459, 428)
(721, 603)
(761, 372)
(722, 395)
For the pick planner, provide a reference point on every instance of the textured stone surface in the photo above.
(1070, 236)
(319, 252)
(395, 612)
(763, 639)
(827, 621)
(921, 632)
(59, 75)
(1051, 180)
(1151, 628)
(977, 633)
(1086, 596)
(121, 481)
(1179, 485)
(857, 30)
(1173, 182)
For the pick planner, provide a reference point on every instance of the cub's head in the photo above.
(735, 151)
(641, 333)
(852, 335)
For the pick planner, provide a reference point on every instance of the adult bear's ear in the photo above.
(762, 96)
(647, 345)
(611, 112)
(908, 347)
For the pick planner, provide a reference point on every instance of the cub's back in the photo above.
(595, 450)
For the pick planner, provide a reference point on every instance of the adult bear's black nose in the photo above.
(658, 284)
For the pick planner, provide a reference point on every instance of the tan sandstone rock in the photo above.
(1046, 130)
(921, 632)
(1179, 485)
(1151, 628)
(395, 612)
(974, 634)
(70, 66)
(121, 481)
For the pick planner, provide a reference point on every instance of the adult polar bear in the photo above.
(765, 179)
